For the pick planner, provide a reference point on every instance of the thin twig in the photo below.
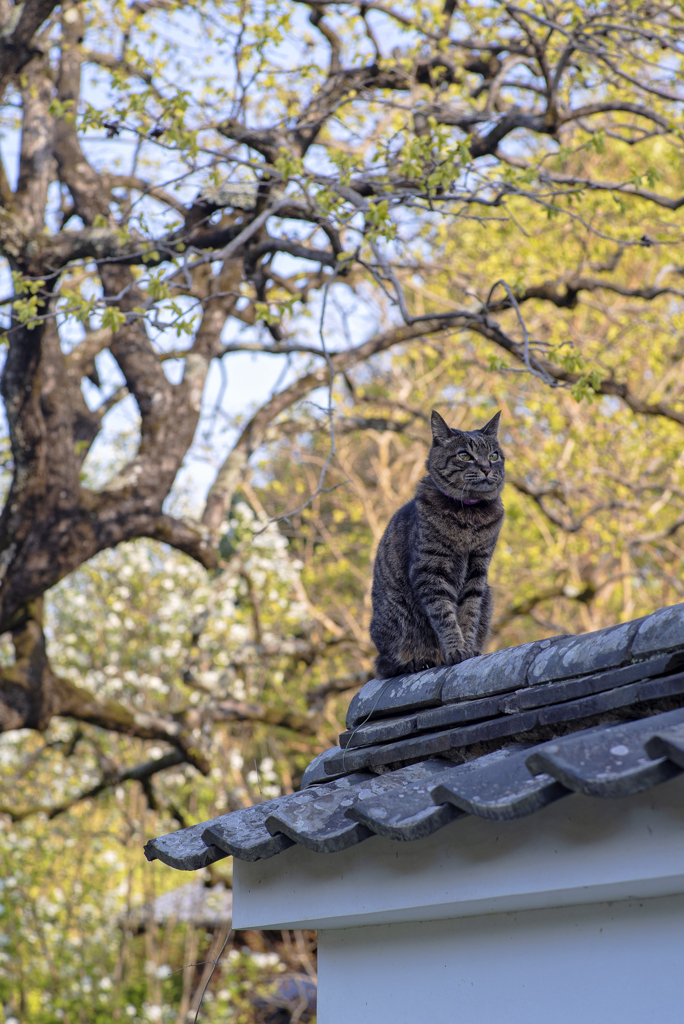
(256, 769)
(541, 374)
(329, 411)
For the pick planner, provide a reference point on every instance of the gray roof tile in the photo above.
(243, 834)
(421, 690)
(318, 821)
(667, 743)
(432, 743)
(387, 729)
(406, 812)
(246, 833)
(608, 761)
(383, 730)
(608, 700)
(666, 686)
(499, 672)
(607, 648)
(499, 790)
(185, 849)
(315, 770)
(581, 686)
(662, 631)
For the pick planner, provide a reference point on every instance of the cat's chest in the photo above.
(456, 564)
(453, 536)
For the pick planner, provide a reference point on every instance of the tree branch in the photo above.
(17, 37)
(116, 777)
(31, 695)
(573, 525)
(623, 187)
(228, 477)
(526, 605)
(243, 711)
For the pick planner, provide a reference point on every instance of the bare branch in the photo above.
(115, 777)
(242, 711)
(253, 433)
(568, 525)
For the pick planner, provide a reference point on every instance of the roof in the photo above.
(199, 904)
(498, 736)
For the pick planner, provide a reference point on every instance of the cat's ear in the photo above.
(440, 430)
(491, 428)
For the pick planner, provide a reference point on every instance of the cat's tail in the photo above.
(387, 668)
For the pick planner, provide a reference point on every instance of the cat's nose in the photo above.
(486, 470)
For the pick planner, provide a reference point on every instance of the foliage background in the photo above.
(260, 655)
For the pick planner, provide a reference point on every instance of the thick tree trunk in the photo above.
(51, 524)
(26, 696)
(27, 437)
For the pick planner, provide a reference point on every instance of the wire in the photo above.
(211, 974)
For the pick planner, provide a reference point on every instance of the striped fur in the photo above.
(431, 602)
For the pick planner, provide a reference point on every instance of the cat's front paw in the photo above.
(460, 654)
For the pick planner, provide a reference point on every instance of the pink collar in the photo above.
(462, 500)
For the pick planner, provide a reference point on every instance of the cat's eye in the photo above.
(494, 457)
(465, 456)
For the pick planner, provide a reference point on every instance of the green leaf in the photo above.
(113, 318)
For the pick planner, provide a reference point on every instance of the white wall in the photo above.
(620, 963)
(578, 850)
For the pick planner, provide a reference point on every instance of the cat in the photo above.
(431, 601)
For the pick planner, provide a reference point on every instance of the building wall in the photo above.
(574, 915)
(578, 850)
(602, 963)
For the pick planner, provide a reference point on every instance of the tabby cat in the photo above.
(431, 602)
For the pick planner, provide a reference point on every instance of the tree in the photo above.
(295, 165)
